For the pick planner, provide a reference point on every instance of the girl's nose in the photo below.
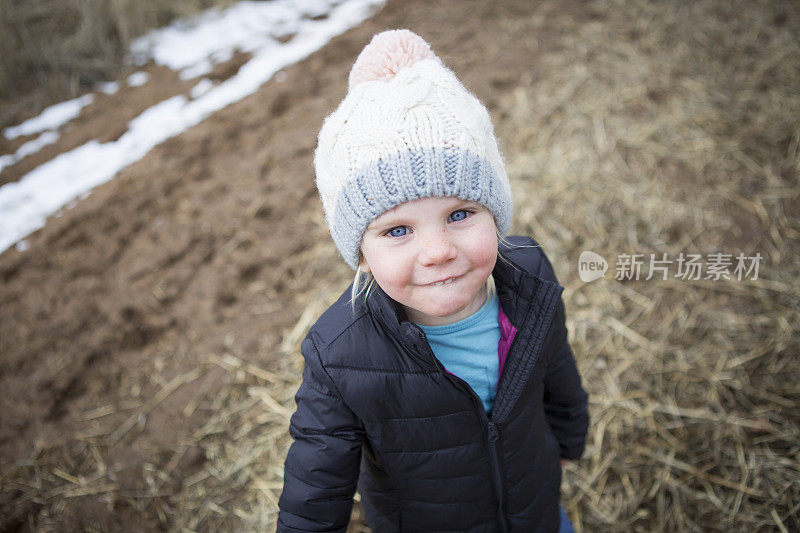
(437, 249)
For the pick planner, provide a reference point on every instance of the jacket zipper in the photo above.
(492, 437)
(494, 459)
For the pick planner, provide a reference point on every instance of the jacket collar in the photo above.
(517, 291)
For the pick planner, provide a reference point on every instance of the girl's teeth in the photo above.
(445, 282)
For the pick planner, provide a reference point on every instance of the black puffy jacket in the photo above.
(375, 399)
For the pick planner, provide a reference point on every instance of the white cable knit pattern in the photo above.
(413, 133)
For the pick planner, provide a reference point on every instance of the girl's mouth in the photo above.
(443, 282)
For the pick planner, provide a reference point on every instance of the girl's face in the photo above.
(432, 256)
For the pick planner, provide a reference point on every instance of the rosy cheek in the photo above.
(385, 274)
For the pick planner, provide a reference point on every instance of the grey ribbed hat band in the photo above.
(410, 175)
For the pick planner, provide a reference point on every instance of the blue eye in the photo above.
(456, 216)
(399, 231)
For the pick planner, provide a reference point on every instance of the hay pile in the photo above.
(659, 128)
(685, 140)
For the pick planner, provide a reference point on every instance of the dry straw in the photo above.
(53, 50)
(659, 128)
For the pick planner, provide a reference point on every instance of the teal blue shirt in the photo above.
(468, 349)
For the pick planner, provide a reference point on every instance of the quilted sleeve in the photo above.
(321, 469)
(565, 400)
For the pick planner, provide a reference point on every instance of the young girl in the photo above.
(441, 385)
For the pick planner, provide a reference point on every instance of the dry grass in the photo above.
(669, 129)
(663, 128)
(51, 50)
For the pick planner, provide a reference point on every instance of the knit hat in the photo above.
(407, 129)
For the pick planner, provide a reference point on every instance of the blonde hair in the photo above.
(362, 283)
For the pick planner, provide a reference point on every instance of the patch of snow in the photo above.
(108, 87)
(195, 71)
(222, 56)
(137, 79)
(202, 87)
(30, 147)
(26, 204)
(189, 45)
(51, 118)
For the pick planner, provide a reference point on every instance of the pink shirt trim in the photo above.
(507, 333)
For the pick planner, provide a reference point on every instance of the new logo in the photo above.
(591, 266)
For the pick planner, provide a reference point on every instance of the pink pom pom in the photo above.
(386, 54)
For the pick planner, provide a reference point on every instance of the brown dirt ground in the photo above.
(156, 268)
(198, 249)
